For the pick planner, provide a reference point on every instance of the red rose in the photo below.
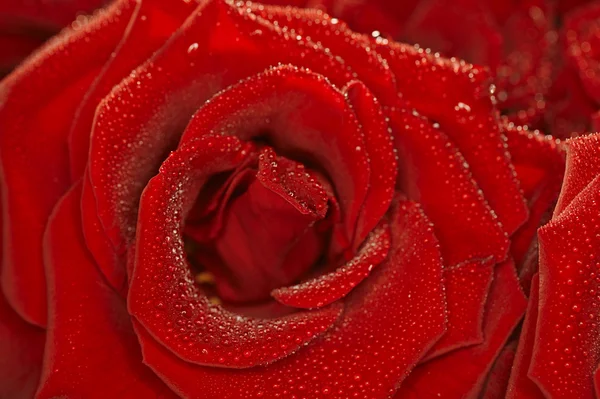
(239, 201)
(542, 53)
(24, 26)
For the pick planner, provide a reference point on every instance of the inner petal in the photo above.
(272, 233)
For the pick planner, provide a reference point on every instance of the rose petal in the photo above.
(33, 146)
(368, 66)
(520, 386)
(582, 167)
(145, 114)
(539, 162)
(467, 287)
(462, 373)
(22, 348)
(291, 181)
(91, 348)
(98, 243)
(330, 287)
(403, 298)
(149, 28)
(382, 159)
(497, 382)
(464, 110)
(197, 226)
(151, 25)
(566, 354)
(434, 173)
(162, 293)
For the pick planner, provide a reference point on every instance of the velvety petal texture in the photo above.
(225, 199)
(91, 350)
(35, 171)
(352, 357)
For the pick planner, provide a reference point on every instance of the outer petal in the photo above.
(22, 347)
(520, 386)
(467, 287)
(92, 350)
(567, 345)
(464, 110)
(461, 374)
(582, 167)
(151, 25)
(403, 298)
(382, 158)
(37, 105)
(433, 172)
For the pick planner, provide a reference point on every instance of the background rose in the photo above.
(542, 53)
(87, 122)
(25, 25)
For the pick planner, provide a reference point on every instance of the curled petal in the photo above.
(330, 287)
(403, 298)
(382, 159)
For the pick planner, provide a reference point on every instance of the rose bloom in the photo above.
(234, 200)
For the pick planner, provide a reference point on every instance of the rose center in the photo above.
(262, 227)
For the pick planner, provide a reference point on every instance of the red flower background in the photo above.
(235, 200)
(27, 24)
